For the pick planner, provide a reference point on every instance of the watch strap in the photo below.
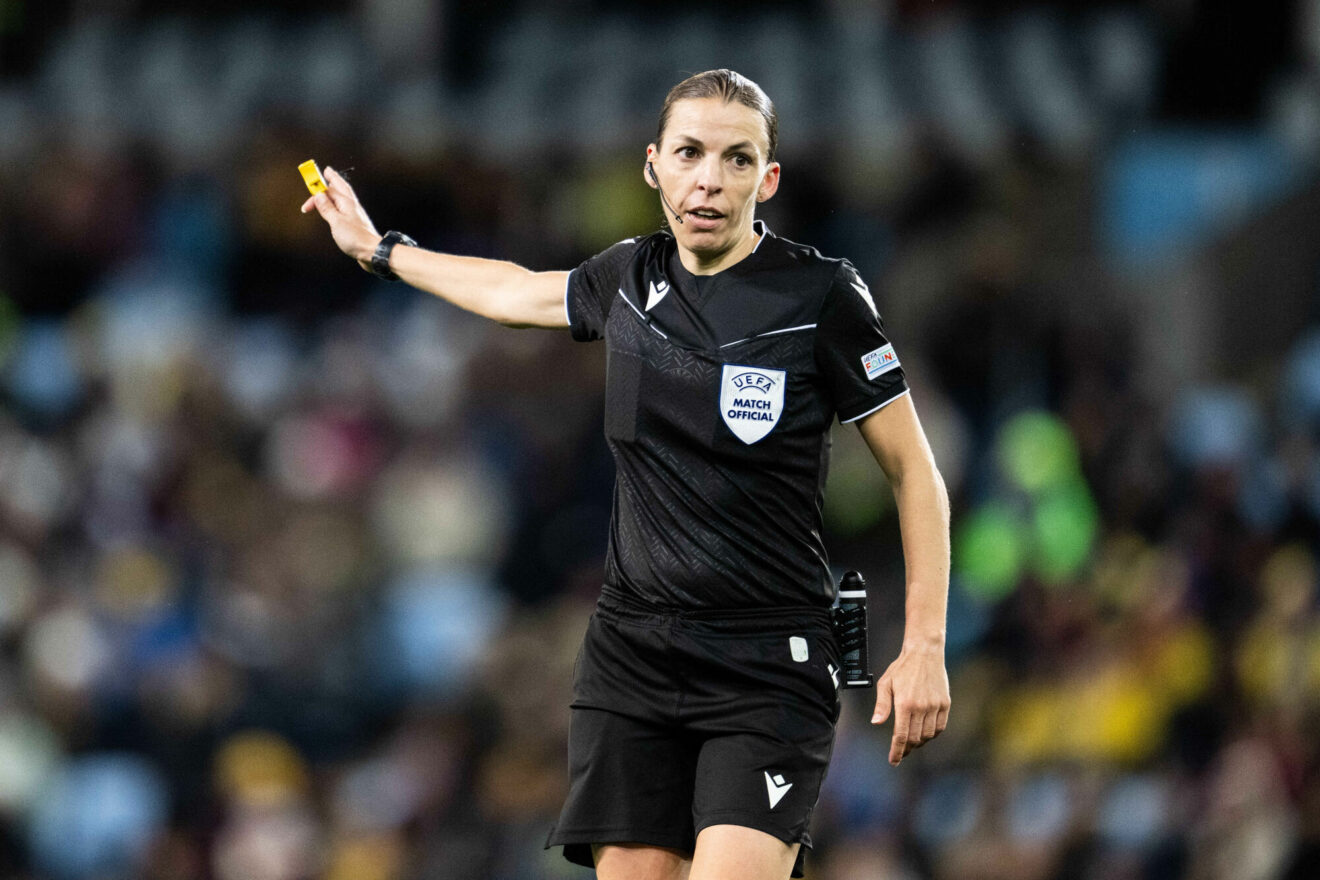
(380, 260)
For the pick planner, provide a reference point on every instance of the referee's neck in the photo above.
(716, 263)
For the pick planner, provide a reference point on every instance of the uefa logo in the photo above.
(751, 400)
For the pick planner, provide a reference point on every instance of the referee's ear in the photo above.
(648, 171)
(769, 182)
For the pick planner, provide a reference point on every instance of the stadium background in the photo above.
(293, 563)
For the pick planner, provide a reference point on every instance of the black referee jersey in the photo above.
(720, 392)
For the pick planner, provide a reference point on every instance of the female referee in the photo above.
(705, 696)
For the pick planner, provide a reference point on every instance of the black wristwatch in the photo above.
(380, 260)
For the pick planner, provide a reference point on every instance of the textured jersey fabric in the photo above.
(720, 393)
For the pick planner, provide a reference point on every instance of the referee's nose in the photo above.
(710, 175)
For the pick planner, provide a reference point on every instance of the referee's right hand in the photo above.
(351, 228)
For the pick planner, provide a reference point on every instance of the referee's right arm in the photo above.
(495, 289)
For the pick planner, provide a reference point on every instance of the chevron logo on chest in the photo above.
(655, 293)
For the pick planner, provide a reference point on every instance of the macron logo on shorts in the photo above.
(776, 788)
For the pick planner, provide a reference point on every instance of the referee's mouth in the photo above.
(704, 218)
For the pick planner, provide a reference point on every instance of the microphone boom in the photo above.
(651, 170)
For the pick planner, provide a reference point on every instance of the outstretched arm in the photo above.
(495, 289)
(915, 687)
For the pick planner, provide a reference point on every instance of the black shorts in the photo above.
(681, 721)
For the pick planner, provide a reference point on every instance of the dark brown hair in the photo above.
(730, 86)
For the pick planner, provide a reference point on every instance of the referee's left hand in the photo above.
(915, 688)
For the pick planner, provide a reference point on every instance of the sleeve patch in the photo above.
(880, 361)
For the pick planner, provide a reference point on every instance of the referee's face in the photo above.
(713, 166)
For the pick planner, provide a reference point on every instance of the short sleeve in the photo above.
(862, 370)
(591, 289)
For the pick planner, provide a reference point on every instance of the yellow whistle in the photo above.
(312, 177)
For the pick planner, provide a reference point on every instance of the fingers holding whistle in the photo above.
(326, 192)
(338, 205)
(315, 183)
(324, 204)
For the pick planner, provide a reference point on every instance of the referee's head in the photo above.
(713, 160)
(730, 87)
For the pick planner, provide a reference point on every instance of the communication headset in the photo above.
(650, 169)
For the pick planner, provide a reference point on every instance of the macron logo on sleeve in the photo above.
(865, 293)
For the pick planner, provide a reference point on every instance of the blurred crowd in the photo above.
(294, 562)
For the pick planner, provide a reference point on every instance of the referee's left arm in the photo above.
(915, 687)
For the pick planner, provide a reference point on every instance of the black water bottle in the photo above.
(850, 631)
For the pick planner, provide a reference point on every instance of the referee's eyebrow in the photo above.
(689, 140)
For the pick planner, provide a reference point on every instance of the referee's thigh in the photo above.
(635, 861)
(733, 852)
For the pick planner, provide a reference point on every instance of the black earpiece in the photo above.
(650, 169)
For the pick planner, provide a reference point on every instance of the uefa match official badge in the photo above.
(751, 400)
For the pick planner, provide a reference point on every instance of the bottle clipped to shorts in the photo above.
(849, 618)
